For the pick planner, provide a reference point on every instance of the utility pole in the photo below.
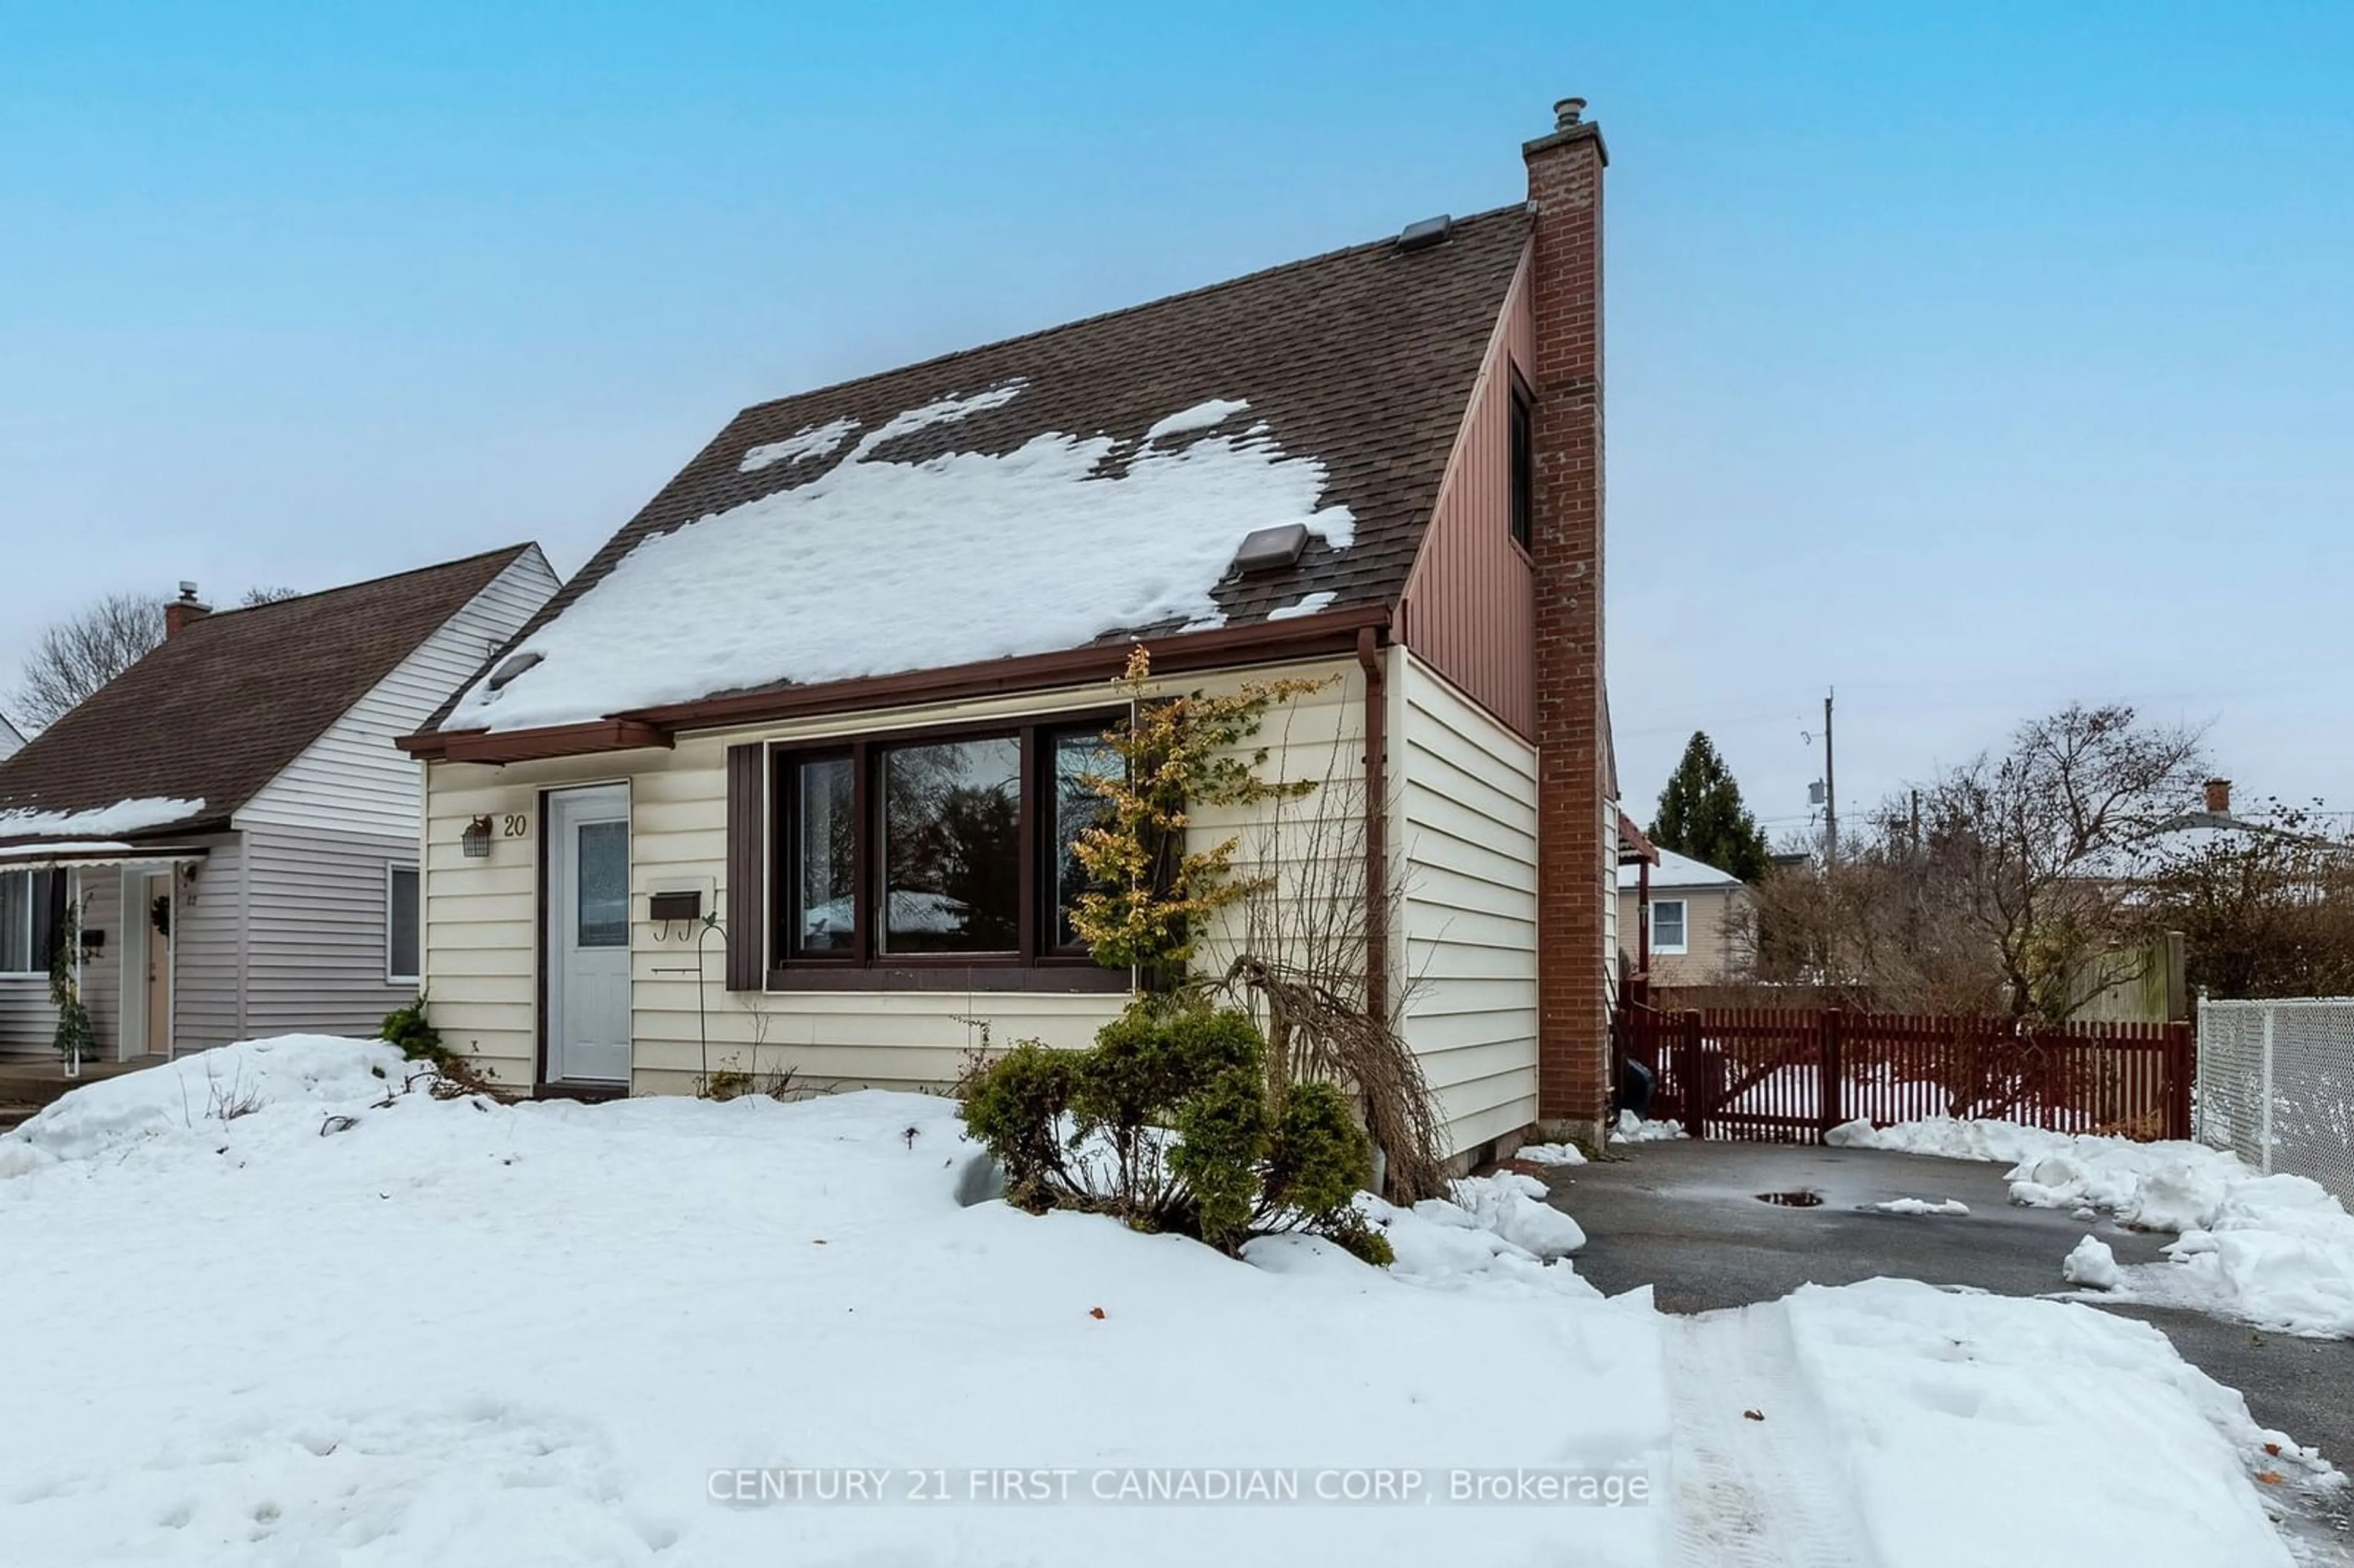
(1831, 791)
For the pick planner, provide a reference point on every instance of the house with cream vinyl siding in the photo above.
(1695, 918)
(229, 822)
(787, 777)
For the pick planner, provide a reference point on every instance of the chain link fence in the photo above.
(2275, 1086)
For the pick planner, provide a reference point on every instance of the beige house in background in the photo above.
(1695, 941)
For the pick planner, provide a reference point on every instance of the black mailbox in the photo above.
(665, 908)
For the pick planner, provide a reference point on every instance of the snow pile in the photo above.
(214, 1100)
(1632, 1129)
(1550, 1154)
(1499, 1231)
(2276, 1251)
(875, 566)
(2091, 1263)
(100, 822)
(370, 1345)
(1514, 1207)
(2101, 1444)
(1919, 1206)
(2004, 1142)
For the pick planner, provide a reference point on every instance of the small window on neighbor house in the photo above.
(402, 927)
(1668, 925)
(1524, 470)
(29, 901)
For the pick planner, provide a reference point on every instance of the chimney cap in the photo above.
(1567, 112)
(187, 591)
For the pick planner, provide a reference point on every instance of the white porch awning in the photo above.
(64, 855)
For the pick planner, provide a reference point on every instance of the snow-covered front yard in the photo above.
(351, 1325)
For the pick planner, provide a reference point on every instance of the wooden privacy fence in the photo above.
(1792, 1076)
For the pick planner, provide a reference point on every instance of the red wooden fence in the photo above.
(1792, 1076)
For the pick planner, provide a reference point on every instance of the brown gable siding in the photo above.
(218, 711)
(1471, 605)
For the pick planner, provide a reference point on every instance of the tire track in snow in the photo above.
(1752, 1494)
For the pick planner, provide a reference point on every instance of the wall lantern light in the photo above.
(476, 839)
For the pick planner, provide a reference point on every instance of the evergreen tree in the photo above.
(1701, 815)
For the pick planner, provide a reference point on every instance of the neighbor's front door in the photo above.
(159, 911)
(588, 935)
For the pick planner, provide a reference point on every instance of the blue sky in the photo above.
(1969, 360)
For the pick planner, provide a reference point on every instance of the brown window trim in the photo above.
(1080, 977)
(1033, 966)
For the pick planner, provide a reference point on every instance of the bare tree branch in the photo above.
(78, 655)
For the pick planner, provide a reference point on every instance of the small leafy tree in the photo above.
(1153, 893)
(76, 1037)
(1702, 815)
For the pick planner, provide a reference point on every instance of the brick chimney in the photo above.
(2218, 796)
(183, 611)
(1574, 840)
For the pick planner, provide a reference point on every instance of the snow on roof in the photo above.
(99, 823)
(1200, 417)
(2171, 848)
(875, 566)
(1674, 871)
(1308, 605)
(809, 441)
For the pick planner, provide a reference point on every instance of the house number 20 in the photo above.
(514, 825)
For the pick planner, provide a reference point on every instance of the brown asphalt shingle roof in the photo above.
(217, 712)
(1363, 358)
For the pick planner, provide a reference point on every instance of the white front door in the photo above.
(588, 935)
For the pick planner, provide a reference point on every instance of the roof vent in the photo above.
(1430, 231)
(511, 667)
(1272, 549)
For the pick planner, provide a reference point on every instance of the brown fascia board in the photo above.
(1333, 633)
(534, 744)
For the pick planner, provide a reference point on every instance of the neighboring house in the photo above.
(231, 820)
(2180, 841)
(836, 685)
(1696, 917)
(11, 743)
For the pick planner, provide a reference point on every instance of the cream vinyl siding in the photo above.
(481, 917)
(1611, 905)
(1716, 926)
(1466, 793)
(351, 780)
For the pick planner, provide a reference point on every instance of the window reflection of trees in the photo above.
(953, 847)
(1079, 760)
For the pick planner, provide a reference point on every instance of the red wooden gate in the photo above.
(1791, 1077)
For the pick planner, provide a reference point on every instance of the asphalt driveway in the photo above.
(1684, 1217)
